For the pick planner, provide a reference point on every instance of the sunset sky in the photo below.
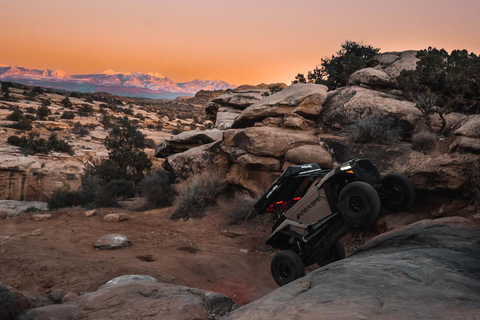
(236, 41)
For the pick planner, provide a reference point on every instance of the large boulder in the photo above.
(186, 140)
(469, 127)
(392, 63)
(192, 161)
(305, 99)
(345, 105)
(421, 271)
(309, 154)
(145, 300)
(225, 108)
(272, 142)
(370, 77)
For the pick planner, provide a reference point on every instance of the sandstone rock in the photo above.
(274, 142)
(270, 122)
(419, 271)
(128, 278)
(186, 140)
(90, 213)
(41, 217)
(394, 62)
(69, 297)
(192, 161)
(443, 172)
(57, 295)
(371, 77)
(115, 217)
(395, 221)
(345, 105)
(3, 215)
(13, 302)
(254, 181)
(285, 102)
(465, 144)
(310, 154)
(451, 119)
(142, 300)
(13, 208)
(254, 162)
(448, 209)
(51, 312)
(469, 127)
(295, 121)
(112, 241)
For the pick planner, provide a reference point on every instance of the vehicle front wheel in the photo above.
(359, 203)
(399, 192)
(335, 253)
(286, 267)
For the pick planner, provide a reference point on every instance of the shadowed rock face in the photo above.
(428, 270)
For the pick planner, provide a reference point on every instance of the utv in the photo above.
(310, 220)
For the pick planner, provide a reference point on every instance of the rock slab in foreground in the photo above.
(428, 270)
(144, 300)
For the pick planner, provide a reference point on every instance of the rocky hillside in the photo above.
(82, 121)
(262, 132)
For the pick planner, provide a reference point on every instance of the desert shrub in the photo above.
(451, 78)
(16, 115)
(239, 208)
(127, 111)
(198, 193)
(158, 189)
(46, 103)
(140, 116)
(62, 198)
(80, 130)
(32, 144)
(149, 143)
(43, 112)
(31, 110)
(9, 308)
(24, 124)
(335, 71)
(424, 141)
(68, 115)
(376, 129)
(85, 110)
(67, 103)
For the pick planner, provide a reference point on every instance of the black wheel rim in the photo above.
(285, 272)
(356, 205)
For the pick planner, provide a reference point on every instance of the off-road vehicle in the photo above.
(313, 208)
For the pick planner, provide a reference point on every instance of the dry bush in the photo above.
(239, 209)
(197, 193)
(9, 308)
(376, 129)
(424, 141)
(158, 190)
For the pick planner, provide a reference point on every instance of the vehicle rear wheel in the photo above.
(399, 192)
(335, 253)
(286, 267)
(359, 203)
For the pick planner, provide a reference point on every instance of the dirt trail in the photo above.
(207, 253)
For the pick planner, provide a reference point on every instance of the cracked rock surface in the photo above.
(428, 270)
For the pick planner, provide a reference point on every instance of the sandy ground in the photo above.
(41, 256)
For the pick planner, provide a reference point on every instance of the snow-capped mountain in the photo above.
(130, 84)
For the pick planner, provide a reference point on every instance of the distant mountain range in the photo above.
(127, 84)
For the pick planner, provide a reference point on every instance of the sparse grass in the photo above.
(196, 194)
(425, 141)
(9, 308)
(239, 209)
(376, 129)
(158, 189)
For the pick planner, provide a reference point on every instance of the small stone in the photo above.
(112, 241)
(69, 297)
(91, 213)
(57, 295)
(3, 215)
(41, 217)
(244, 250)
(115, 217)
(476, 217)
